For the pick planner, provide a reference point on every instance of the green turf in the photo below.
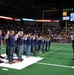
(60, 54)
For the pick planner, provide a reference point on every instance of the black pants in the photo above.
(46, 47)
(35, 49)
(16, 51)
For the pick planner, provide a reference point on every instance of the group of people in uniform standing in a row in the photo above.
(27, 43)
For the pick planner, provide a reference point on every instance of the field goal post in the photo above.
(43, 18)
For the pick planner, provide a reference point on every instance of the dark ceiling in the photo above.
(29, 8)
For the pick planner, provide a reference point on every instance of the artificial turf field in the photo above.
(58, 61)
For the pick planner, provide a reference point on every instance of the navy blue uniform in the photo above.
(20, 41)
(40, 45)
(32, 44)
(47, 45)
(16, 51)
(28, 41)
(24, 50)
(35, 46)
(0, 40)
(36, 41)
(20, 47)
(28, 46)
(11, 41)
(7, 48)
(0, 44)
(24, 42)
(43, 45)
(11, 45)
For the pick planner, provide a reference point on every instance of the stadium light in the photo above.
(4, 17)
(25, 19)
(43, 20)
(17, 19)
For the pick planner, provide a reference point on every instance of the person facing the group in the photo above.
(72, 38)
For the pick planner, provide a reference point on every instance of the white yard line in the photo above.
(62, 53)
(63, 47)
(5, 69)
(60, 49)
(56, 65)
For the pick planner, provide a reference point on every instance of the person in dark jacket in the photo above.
(73, 46)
